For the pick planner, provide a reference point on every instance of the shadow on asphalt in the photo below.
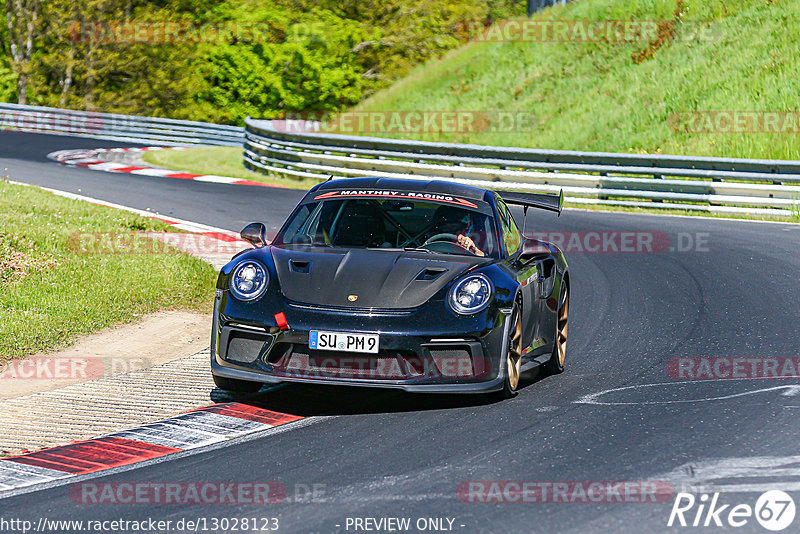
(318, 400)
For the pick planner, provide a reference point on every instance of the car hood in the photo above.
(358, 278)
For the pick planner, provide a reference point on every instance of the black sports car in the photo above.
(422, 285)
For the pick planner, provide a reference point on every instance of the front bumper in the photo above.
(218, 369)
(414, 356)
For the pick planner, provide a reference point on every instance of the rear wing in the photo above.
(534, 200)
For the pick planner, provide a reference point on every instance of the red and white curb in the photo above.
(198, 428)
(93, 159)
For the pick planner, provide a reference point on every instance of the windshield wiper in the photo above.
(311, 244)
(405, 249)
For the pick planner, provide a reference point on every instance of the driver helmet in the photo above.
(452, 220)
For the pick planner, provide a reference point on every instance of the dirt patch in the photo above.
(664, 35)
(16, 262)
(153, 340)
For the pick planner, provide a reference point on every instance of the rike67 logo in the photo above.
(774, 510)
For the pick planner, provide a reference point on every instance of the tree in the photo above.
(301, 55)
(23, 19)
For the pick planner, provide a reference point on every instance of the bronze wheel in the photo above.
(556, 363)
(561, 331)
(514, 356)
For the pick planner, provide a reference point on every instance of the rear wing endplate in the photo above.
(534, 200)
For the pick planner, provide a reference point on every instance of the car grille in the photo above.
(354, 310)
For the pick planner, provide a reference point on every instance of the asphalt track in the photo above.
(390, 454)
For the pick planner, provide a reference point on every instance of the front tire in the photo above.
(555, 364)
(236, 386)
(513, 356)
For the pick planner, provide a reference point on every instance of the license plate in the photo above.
(343, 341)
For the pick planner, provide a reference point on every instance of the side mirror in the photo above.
(533, 249)
(256, 234)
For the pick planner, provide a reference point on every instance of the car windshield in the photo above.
(392, 224)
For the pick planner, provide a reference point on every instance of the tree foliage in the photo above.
(306, 55)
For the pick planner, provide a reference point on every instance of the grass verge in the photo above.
(221, 161)
(50, 295)
(623, 96)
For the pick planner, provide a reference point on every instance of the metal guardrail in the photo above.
(725, 185)
(115, 127)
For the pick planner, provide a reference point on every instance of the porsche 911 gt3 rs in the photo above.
(426, 286)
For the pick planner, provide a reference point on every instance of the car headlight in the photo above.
(471, 294)
(249, 280)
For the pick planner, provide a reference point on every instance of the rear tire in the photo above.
(555, 364)
(236, 386)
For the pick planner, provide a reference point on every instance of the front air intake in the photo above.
(243, 346)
